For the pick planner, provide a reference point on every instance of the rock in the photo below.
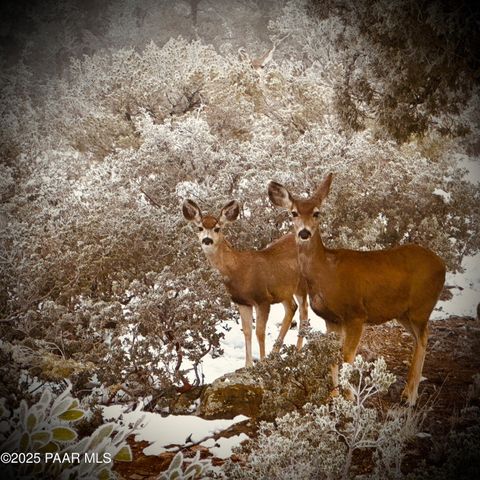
(235, 393)
(184, 403)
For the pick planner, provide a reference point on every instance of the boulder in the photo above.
(185, 403)
(235, 393)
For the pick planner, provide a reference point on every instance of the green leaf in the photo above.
(63, 434)
(196, 468)
(46, 398)
(104, 474)
(61, 406)
(177, 473)
(49, 448)
(24, 442)
(176, 462)
(42, 437)
(72, 415)
(23, 410)
(103, 431)
(31, 421)
(79, 447)
(124, 454)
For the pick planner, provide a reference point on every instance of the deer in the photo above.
(254, 279)
(351, 288)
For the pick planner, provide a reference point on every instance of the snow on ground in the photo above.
(464, 302)
(161, 432)
(472, 167)
(222, 448)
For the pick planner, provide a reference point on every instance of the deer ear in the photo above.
(229, 212)
(322, 191)
(191, 211)
(279, 195)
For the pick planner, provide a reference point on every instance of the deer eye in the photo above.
(216, 229)
(294, 214)
(316, 214)
(200, 229)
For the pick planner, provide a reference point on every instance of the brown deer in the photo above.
(254, 278)
(350, 288)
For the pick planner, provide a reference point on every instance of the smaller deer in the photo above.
(350, 288)
(253, 278)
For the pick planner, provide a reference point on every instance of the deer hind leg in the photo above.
(246, 314)
(303, 304)
(290, 308)
(419, 330)
(261, 325)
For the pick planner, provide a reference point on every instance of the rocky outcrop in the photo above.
(235, 393)
(186, 402)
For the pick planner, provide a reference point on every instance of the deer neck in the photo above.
(311, 254)
(223, 258)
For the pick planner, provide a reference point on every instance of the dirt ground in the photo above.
(453, 358)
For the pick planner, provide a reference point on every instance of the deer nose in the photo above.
(207, 241)
(304, 234)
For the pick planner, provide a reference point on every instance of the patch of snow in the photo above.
(160, 432)
(471, 165)
(190, 189)
(464, 302)
(445, 196)
(222, 448)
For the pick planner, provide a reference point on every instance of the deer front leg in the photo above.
(334, 328)
(352, 335)
(303, 304)
(290, 307)
(261, 325)
(246, 315)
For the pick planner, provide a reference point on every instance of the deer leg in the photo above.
(419, 331)
(303, 304)
(290, 308)
(246, 314)
(353, 333)
(334, 328)
(261, 325)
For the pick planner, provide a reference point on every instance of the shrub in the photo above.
(290, 379)
(319, 441)
(47, 427)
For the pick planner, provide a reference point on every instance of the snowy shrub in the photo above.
(319, 441)
(292, 378)
(45, 433)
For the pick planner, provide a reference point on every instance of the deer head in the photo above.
(305, 212)
(209, 228)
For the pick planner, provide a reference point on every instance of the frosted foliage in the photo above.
(98, 264)
(50, 425)
(319, 442)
